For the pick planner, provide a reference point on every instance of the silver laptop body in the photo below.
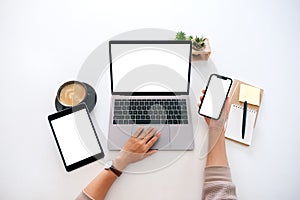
(150, 83)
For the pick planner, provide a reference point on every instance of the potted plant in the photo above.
(200, 45)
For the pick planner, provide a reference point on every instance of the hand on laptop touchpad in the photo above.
(164, 139)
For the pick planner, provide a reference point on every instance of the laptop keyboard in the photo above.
(150, 111)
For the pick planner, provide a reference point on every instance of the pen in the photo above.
(244, 119)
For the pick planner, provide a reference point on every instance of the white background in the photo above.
(44, 43)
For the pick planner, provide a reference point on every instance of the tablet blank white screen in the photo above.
(76, 137)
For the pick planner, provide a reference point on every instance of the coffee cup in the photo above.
(73, 93)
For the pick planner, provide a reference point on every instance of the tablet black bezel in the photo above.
(86, 160)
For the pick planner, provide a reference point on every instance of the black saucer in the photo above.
(90, 101)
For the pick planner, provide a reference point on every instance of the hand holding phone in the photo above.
(219, 124)
(214, 96)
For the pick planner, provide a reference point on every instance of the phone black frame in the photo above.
(221, 77)
(150, 42)
(85, 161)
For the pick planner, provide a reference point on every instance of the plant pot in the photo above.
(203, 53)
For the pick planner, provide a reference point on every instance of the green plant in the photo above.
(180, 36)
(189, 37)
(198, 43)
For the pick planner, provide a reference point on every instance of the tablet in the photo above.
(75, 136)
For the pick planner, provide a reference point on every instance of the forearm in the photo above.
(98, 188)
(217, 150)
(217, 177)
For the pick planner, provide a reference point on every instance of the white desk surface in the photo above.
(44, 43)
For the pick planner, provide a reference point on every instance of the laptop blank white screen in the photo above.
(150, 67)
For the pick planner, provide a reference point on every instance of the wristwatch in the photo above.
(109, 166)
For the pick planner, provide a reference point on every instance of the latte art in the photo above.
(72, 94)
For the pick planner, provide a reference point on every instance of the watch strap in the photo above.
(115, 171)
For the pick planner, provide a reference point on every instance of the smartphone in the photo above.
(214, 96)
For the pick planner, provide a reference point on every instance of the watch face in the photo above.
(108, 164)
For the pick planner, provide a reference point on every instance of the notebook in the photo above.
(237, 98)
(234, 124)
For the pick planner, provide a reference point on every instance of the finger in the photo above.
(201, 98)
(227, 106)
(150, 135)
(207, 120)
(225, 110)
(138, 132)
(151, 152)
(143, 135)
(146, 132)
(153, 140)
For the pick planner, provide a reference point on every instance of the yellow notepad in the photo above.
(250, 94)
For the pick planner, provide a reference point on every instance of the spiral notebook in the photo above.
(234, 124)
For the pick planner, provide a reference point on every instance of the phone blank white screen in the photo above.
(76, 137)
(215, 97)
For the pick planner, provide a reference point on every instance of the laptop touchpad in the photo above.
(164, 139)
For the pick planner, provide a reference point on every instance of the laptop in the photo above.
(150, 82)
